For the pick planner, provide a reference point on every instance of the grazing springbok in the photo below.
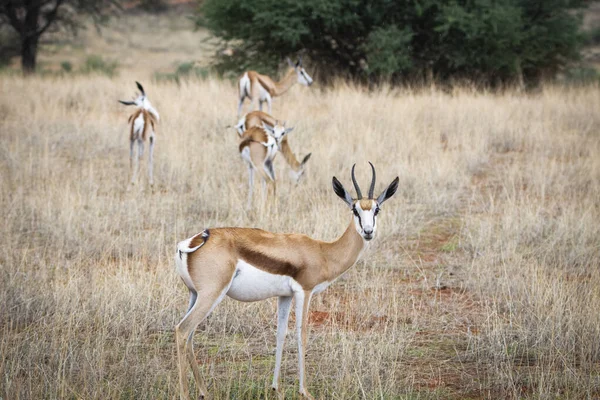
(260, 88)
(251, 265)
(143, 122)
(257, 119)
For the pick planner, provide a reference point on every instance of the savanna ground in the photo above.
(483, 281)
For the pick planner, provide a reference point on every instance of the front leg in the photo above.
(283, 313)
(302, 304)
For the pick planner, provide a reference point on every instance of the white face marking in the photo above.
(253, 284)
(303, 77)
(365, 220)
(278, 132)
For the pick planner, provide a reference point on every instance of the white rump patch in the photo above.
(183, 249)
(245, 86)
(138, 125)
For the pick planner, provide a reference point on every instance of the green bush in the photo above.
(184, 70)
(489, 40)
(592, 38)
(95, 64)
(66, 66)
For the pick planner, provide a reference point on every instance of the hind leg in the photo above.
(240, 105)
(190, 344)
(250, 185)
(151, 160)
(204, 303)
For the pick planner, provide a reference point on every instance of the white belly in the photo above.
(253, 284)
(263, 94)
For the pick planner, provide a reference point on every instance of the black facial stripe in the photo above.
(359, 219)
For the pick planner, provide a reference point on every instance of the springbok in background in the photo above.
(252, 265)
(257, 119)
(258, 148)
(143, 122)
(260, 88)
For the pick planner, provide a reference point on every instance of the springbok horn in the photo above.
(358, 193)
(139, 85)
(127, 103)
(372, 188)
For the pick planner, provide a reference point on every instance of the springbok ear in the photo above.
(299, 61)
(127, 103)
(268, 127)
(389, 192)
(338, 188)
(288, 130)
(139, 86)
(290, 63)
(306, 158)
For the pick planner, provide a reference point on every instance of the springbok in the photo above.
(261, 119)
(252, 265)
(142, 120)
(260, 88)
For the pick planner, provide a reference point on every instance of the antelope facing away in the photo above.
(143, 122)
(260, 88)
(262, 137)
(252, 265)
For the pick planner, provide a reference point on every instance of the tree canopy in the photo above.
(488, 40)
(32, 18)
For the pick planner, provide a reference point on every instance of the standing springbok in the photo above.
(143, 122)
(252, 265)
(260, 119)
(260, 88)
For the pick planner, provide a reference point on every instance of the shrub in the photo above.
(95, 64)
(487, 39)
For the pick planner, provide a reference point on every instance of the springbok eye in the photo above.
(355, 211)
(377, 210)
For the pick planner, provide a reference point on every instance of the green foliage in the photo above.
(95, 64)
(580, 75)
(183, 71)
(488, 40)
(9, 45)
(153, 5)
(388, 51)
(66, 66)
(592, 38)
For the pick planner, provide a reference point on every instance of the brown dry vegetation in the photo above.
(483, 281)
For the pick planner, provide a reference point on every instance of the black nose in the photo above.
(368, 232)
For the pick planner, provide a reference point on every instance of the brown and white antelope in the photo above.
(260, 158)
(143, 122)
(260, 88)
(252, 265)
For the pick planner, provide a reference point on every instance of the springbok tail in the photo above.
(181, 258)
(192, 244)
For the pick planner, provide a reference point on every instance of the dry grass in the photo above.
(483, 281)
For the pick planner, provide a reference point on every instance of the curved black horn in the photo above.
(358, 193)
(372, 188)
(127, 103)
(139, 85)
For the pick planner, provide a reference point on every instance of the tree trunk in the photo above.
(29, 47)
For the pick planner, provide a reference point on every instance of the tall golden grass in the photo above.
(483, 281)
